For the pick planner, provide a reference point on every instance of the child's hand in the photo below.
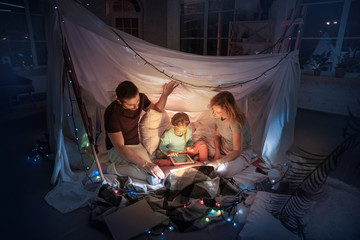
(189, 149)
(172, 154)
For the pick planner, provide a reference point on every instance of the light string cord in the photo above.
(85, 168)
(60, 20)
(218, 87)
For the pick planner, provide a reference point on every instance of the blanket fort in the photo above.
(265, 87)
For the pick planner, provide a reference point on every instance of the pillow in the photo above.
(152, 125)
(260, 224)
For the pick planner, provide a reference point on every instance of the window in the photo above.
(128, 25)
(127, 16)
(204, 27)
(22, 44)
(330, 26)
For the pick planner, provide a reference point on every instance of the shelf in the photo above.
(260, 35)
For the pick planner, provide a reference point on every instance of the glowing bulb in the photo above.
(171, 228)
(217, 204)
(207, 219)
(234, 224)
(241, 211)
(162, 233)
(335, 22)
(272, 180)
(96, 172)
(116, 191)
(201, 201)
(327, 23)
(229, 219)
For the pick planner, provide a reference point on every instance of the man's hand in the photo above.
(154, 170)
(169, 87)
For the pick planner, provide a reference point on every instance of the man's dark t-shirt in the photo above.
(119, 119)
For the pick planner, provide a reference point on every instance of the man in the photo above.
(121, 120)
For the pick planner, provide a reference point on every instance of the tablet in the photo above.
(181, 159)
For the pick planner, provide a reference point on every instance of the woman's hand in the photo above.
(172, 153)
(214, 163)
(217, 155)
(154, 170)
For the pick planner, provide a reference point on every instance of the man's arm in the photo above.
(117, 139)
(168, 88)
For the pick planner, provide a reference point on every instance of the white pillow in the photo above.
(152, 125)
(260, 224)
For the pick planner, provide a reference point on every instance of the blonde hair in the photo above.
(227, 102)
(180, 119)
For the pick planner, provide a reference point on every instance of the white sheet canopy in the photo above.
(264, 85)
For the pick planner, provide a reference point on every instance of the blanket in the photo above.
(192, 198)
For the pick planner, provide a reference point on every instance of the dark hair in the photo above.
(126, 90)
(180, 119)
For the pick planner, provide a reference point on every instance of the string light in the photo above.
(85, 168)
(225, 86)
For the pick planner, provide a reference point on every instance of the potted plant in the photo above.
(346, 63)
(318, 62)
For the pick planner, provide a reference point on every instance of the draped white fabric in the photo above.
(265, 86)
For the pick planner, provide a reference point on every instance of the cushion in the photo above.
(152, 125)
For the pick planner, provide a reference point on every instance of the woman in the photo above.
(233, 146)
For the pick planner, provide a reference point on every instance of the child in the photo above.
(233, 145)
(178, 139)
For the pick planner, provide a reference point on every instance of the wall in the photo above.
(329, 94)
(155, 25)
(173, 24)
